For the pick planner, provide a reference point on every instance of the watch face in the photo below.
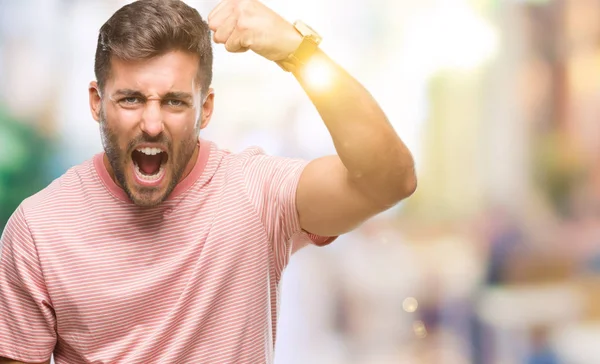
(307, 31)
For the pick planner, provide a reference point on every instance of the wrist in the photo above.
(291, 42)
(303, 45)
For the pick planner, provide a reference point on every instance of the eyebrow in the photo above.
(179, 95)
(128, 93)
(169, 95)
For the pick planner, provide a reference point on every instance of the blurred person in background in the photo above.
(165, 248)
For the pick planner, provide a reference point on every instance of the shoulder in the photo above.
(249, 169)
(227, 162)
(246, 155)
(66, 190)
(255, 159)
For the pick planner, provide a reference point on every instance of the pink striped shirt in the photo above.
(92, 278)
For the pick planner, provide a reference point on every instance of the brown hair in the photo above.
(149, 28)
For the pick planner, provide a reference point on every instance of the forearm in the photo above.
(377, 160)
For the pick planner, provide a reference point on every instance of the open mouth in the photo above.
(149, 164)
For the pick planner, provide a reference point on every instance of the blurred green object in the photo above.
(24, 157)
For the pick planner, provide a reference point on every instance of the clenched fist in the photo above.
(250, 25)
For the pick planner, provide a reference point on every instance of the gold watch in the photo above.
(310, 43)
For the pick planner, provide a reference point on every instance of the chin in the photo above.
(147, 191)
(146, 202)
(147, 198)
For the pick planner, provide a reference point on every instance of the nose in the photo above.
(152, 123)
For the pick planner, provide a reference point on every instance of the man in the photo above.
(165, 248)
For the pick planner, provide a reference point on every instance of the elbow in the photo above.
(405, 187)
(409, 186)
(403, 175)
(396, 190)
(405, 184)
(388, 189)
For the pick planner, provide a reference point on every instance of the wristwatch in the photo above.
(310, 43)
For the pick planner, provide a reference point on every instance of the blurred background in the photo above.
(495, 259)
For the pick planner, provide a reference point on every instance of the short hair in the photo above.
(148, 28)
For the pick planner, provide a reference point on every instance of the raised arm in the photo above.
(373, 169)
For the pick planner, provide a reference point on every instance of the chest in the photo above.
(129, 273)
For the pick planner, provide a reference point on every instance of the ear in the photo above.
(95, 100)
(207, 108)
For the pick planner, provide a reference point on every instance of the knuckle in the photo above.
(246, 42)
(242, 24)
(230, 47)
(244, 7)
(218, 38)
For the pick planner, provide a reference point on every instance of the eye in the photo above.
(129, 101)
(175, 103)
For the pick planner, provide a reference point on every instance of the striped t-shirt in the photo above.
(89, 276)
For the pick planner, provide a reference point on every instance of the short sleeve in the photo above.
(271, 183)
(27, 320)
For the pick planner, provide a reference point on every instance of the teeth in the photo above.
(149, 151)
(151, 178)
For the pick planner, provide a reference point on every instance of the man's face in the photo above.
(150, 114)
